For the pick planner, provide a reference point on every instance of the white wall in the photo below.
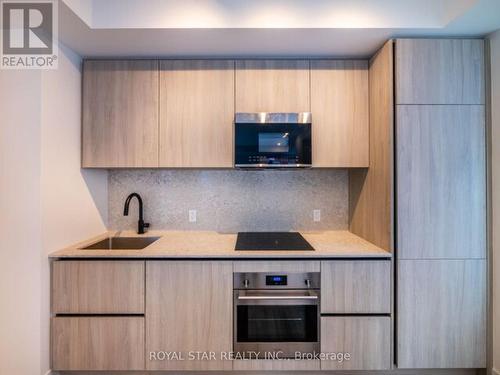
(73, 201)
(20, 226)
(495, 99)
(46, 202)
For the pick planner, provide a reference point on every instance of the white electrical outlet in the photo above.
(192, 216)
(317, 215)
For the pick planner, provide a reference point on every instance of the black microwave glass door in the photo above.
(281, 143)
(281, 323)
(274, 142)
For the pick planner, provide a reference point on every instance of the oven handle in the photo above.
(276, 297)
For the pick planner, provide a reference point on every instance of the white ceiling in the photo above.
(282, 28)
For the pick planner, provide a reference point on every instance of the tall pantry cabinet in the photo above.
(441, 203)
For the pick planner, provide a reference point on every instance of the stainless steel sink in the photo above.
(122, 243)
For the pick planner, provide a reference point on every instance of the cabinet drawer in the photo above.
(366, 339)
(97, 343)
(356, 287)
(98, 287)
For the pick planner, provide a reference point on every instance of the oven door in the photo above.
(276, 322)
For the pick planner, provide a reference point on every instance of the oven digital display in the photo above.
(273, 142)
(276, 280)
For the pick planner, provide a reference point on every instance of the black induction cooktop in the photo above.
(269, 241)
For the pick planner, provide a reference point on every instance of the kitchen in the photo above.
(277, 209)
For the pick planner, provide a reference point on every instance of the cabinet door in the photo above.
(196, 113)
(339, 103)
(97, 343)
(439, 71)
(366, 339)
(120, 114)
(189, 308)
(441, 182)
(272, 86)
(441, 314)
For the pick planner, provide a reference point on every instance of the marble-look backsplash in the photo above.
(231, 200)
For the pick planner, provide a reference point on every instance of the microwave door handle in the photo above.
(275, 297)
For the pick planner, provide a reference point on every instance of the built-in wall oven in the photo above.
(272, 140)
(276, 314)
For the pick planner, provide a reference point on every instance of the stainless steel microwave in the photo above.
(272, 140)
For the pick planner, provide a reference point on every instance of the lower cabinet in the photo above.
(356, 342)
(98, 287)
(189, 308)
(97, 343)
(441, 313)
(356, 287)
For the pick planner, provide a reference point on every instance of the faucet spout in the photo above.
(141, 225)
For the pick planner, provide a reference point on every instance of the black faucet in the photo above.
(141, 225)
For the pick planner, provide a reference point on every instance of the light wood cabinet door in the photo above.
(97, 343)
(440, 71)
(339, 104)
(189, 308)
(272, 86)
(120, 113)
(441, 182)
(98, 287)
(441, 320)
(196, 113)
(366, 339)
(356, 287)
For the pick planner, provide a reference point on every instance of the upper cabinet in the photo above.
(272, 86)
(180, 113)
(196, 113)
(339, 106)
(120, 114)
(440, 71)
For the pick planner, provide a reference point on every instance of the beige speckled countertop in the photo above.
(191, 244)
